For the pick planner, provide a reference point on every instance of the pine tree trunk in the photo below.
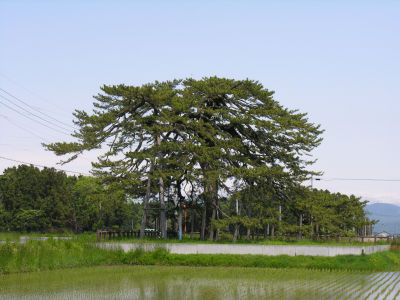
(300, 224)
(163, 220)
(162, 210)
(180, 222)
(176, 227)
(235, 233)
(211, 233)
(216, 235)
(217, 231)
(212, 190)
(100, 213)
(280, 221)
(266, 232)
(203, 222)
(248, 234)
(280, 215)
(146, 203)
(192, 224)
(75, 219)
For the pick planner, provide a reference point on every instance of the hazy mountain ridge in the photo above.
(388, 216)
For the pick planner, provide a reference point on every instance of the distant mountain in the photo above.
(388, 216)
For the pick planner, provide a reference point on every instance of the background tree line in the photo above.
(48, 200)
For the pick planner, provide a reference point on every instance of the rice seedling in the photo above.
(344, 288)
(334, 284)
(393, 290)
(364, 285)
(377, 286)
(166, 282)
(382, 291)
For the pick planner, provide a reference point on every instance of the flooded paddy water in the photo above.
(165, 282)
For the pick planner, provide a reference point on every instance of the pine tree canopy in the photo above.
(214, 128)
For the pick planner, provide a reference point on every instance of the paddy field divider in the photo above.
(269, 250)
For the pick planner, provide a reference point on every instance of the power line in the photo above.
(24, 129)
(37, 121)
(35, 109)
(358, 179)
(31, 113)
(384, 215)
(41, 166)
(35, 95)
(27, 130)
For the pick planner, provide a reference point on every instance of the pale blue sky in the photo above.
(337, 60)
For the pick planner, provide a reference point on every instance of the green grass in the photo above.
(79, 252)
(383, 261)
(52, 254)
(92, 237)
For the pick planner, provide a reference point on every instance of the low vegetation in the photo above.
(51, 254)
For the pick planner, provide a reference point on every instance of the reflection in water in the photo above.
(162, 282)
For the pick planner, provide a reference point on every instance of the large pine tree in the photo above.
(192, 134)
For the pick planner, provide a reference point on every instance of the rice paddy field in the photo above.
(178, 282)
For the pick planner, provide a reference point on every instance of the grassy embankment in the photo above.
(15, 236)
(79, 252)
